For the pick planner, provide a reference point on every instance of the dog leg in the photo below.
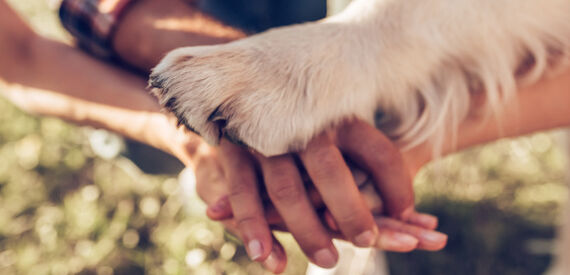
(419, 61)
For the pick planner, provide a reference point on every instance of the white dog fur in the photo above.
(416, 60)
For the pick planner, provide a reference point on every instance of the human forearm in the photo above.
(151, 28)
(61, 81)
(542, 106)
(51, 65)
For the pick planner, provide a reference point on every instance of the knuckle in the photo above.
(353, 222)
(326, 154)
(242, 168)
(379, 149)
(384, 149)
(240, 188)
(248, 212)
(285, 191)
(279, 169)
(247, 221)
(348, 219)
(324, 161)
(383, 155)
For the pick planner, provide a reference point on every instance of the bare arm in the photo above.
(50, 78)
(542, 106)
(154, 27)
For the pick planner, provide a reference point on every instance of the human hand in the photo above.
(239, 170)
(325, 165)
(147, 125)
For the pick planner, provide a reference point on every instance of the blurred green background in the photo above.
(64, 209)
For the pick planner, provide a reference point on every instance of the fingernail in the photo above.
(397, 241)
(255, 249)
(365, 239)
(325, 258)
(428, 220)
(405, 239)
(434, 237)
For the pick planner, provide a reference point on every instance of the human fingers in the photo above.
(245, 201)
(390, 235)
(426, 221)
(277, 259)
(212, 188)
(332, 178)
(375, 153)
(287, 193)
(392, 240)
(428, 239)
(370, 149)
(375, 203)
(388, 239)
(222, 210)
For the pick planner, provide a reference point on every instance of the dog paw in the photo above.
(272, 92)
